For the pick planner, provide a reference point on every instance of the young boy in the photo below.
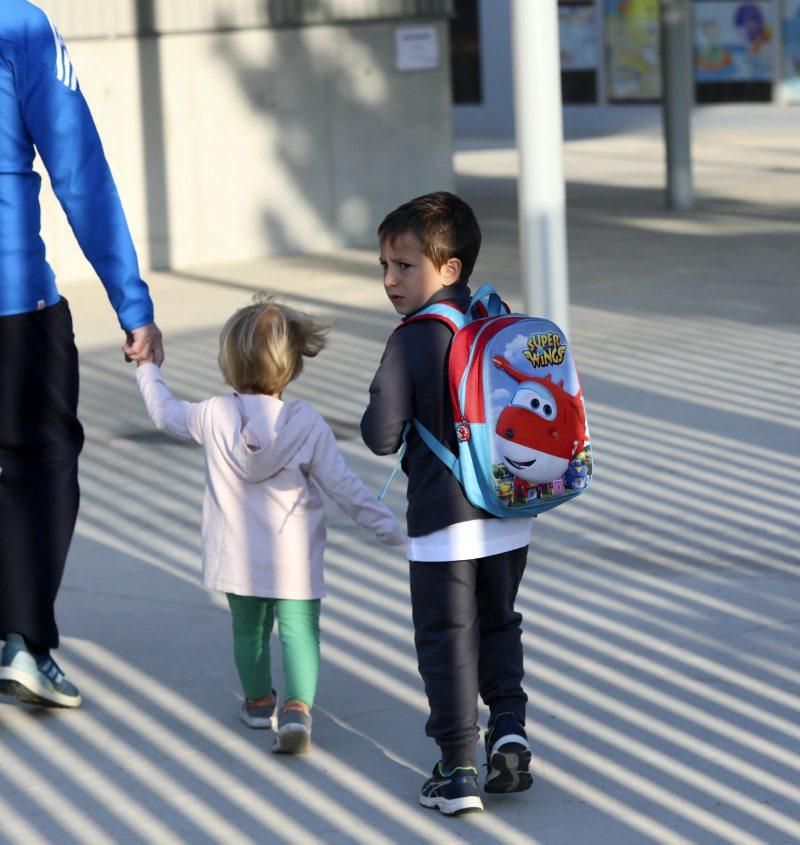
(465, 565)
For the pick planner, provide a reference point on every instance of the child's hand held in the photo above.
(393, 534)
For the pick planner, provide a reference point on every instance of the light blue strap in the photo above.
(441, 309)
(382, 494)
(439, 449)
(441, 452)
(494, 306)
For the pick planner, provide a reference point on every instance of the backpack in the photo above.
(523, 438)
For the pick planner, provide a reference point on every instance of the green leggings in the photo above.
(298, 629)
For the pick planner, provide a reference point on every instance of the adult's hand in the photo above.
(144, 344)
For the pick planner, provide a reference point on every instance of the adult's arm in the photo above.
(61, 127)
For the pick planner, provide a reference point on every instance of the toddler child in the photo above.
(263, 525)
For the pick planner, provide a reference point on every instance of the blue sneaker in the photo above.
(452, 793)
(294, 733)
(34, 680)
(508, 757)
(258, 717)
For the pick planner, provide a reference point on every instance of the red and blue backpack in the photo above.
(523, 437)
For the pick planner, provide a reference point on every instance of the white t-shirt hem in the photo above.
(472, 539)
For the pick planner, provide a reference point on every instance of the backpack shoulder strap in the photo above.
(442, 312)
(487, 303)
(439, 449)
(455, 319)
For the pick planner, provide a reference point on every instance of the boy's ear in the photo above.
(451, 271)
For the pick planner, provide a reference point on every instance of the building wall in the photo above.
(233, 143)
(116, 18)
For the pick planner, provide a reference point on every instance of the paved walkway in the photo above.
(662, 610)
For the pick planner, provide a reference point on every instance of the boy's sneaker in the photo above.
(508, 756)
(452, 793)
(258, 717)
(34, 680)
(294, 733)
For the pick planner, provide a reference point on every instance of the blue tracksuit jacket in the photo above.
(41, 106)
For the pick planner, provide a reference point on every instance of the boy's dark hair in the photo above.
(444, 225)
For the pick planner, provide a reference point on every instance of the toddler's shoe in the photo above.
(452, 793)
(34, 680)
(294, 733)
(508, 756)
(258, 717)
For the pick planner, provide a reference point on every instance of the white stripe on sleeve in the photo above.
(65, 70)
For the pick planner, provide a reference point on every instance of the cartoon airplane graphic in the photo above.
(541, 429)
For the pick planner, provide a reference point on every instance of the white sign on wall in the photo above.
(416, 48)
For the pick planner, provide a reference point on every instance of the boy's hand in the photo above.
(144, 345)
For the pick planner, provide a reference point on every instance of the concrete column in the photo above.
(678, 78)
(540, 142)
(153, 136)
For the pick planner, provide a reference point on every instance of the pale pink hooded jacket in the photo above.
(263, 524)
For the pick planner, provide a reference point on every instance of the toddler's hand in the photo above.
(393, 534)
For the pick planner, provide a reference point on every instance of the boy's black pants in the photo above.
(469, 642)
(40, 440)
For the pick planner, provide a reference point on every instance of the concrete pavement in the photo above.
(662, 610)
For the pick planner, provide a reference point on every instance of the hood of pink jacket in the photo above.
(270, 434)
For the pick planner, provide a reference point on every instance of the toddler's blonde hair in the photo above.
(262, 346)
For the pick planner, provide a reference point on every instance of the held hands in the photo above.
(393, 534)
(144, 345)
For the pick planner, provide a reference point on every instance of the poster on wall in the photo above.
(632, 45)
(791, 50)
(733, 41)
(577, 30)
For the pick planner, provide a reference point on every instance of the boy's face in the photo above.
(410, 278)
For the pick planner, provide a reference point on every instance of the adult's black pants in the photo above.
(40, 441)
(469, 642)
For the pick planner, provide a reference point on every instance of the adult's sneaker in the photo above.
(452, 793)
(508, 757)
(34, 680)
